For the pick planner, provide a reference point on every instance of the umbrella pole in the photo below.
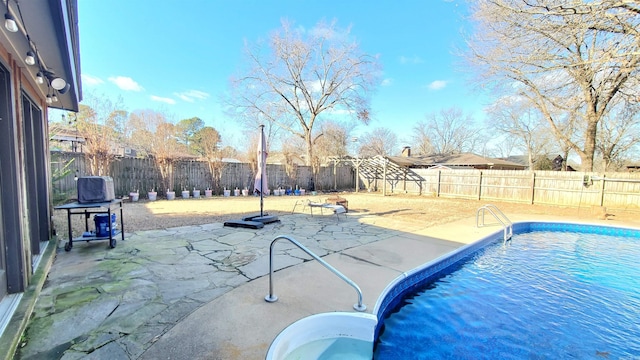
(262, 166)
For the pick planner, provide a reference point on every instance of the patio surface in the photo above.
(197, 292)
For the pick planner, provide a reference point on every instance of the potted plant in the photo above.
(152, 195)
(171, 194)
(134, 196)
(185, 194)
(208, 192)
(196, 193)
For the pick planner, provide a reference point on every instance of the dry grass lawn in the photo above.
(146, 215)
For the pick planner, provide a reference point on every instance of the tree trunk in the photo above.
(308, 141)
(589, 143)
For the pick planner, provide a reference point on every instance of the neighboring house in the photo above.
(541, 162)
(120, 150)
(69, 140)
(36, 72)
(635, 167)
(456, 161)
(278, 158)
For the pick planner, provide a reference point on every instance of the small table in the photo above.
(337, 200)
(87, 209)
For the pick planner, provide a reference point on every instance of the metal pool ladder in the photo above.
(359, 306)
(498, 215)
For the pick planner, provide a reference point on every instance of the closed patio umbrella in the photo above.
(261, 174)
(260, 184)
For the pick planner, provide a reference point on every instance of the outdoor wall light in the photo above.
(40, 78)
(31, 58)
(49, 99)
(65, 89)
(10, 22)
(58, 83)
(54, 98)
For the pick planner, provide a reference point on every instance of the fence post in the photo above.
(438, 184)
(384, 178)
(533, 186)
(602, 190)
(480, 185)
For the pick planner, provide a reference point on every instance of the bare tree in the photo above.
(98, 122)
(521, 122)
(619, 134)
(421, 139)
(303, 77)
(450, 131)
(380, 141)
(333, 142)
(157, 135)
(563, 56)
(503, 147)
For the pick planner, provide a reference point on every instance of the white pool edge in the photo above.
(359, 326)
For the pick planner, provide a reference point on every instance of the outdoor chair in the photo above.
(306, 203)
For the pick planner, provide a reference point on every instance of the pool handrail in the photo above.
(359, 306)
(498, 215)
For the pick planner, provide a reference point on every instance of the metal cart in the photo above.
(87, 209)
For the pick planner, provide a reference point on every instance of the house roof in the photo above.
(462, 160)
(278, 158)
(61, 134)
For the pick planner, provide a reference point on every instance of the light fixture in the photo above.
(10, 22)
(65, 89)
(40, 77)
(58, 83)
(31, 58)
(49, 99)
(54, 98)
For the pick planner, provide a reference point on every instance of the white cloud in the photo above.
(410, 60)
(192, 95)
(387, 82)
(316, 86)
(169, 101)
(91, 80)
(437, 85)
(126, 83)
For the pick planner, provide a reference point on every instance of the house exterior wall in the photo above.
(24, 179)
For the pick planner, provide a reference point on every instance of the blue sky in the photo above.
(178, 56)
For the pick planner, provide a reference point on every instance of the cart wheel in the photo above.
(112, 243)
(68, 246)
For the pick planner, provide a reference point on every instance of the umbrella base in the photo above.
(265, 219)
(244, 224)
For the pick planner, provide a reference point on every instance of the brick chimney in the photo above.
(406, 151)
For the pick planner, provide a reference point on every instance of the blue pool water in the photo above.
(543, 295)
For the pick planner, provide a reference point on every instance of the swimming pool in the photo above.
(554, 291)
(612, 245)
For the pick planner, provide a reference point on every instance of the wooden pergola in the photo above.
(389, 170)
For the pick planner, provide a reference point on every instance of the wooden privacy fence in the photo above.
(619, 190)
(577, 189)
(131, 174)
